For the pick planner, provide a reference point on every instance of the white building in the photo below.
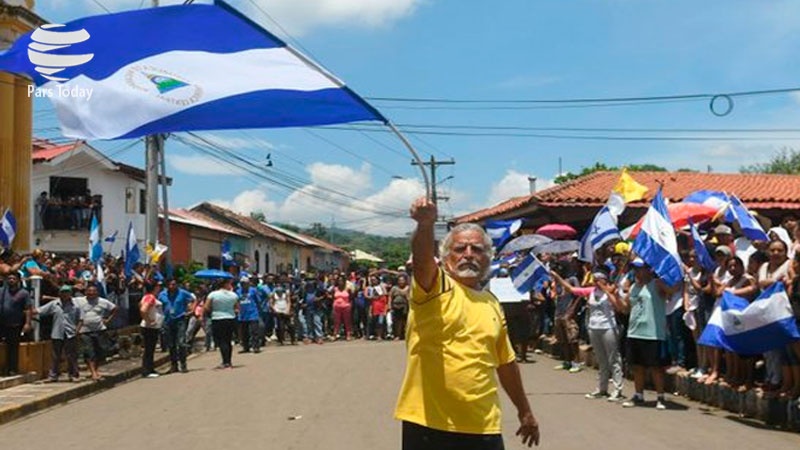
(79, 181)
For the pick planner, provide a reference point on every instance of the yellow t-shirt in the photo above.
(456, 337)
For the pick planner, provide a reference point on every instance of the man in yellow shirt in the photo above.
(457, 340)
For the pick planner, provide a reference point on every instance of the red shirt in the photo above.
(379, 305)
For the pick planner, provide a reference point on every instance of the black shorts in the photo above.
(647, 353)
(417, 437)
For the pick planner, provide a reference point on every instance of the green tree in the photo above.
(258, 215)
(598, 167)
(785, 161)
(318, 231)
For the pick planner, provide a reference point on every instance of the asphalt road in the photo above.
(345, 393)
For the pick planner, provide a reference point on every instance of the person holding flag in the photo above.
(449, 395)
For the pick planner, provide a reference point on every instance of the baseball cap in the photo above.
(638, 262)
(724, 249)
(65, 288)
(622, 248)
(723, 229)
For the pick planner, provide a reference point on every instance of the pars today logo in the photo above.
(46, 39)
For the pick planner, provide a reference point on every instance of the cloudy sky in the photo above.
(510, 50)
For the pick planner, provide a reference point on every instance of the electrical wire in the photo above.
(284, 181)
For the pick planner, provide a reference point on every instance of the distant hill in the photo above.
(394, 250)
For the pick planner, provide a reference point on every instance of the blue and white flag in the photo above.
(177, 68)
(227, 254)
(8, 229)
(749, 225)
(700, 250)
(714, 199)
(529, 273)
(748, 328)
(496, 265)
(132, 254)
(603, 229)
(656, 243)
(501, 231)
(113, 238)
(95, 245)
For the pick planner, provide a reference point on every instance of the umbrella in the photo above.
(524, 242)
(557, 231)
(682, 213)
(558, 247)
(212, 273)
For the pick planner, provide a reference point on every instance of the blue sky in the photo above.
(514, 49)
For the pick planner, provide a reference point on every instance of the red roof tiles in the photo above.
(757, 191)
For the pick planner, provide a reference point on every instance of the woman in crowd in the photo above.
(152, 313)
(603, 303)
(779, 372)
(197, 319)
(695, 304)
(378, 298)
(280, 302)
(342, 309)
(739, 368)
(223, 306)
(399, 295)
(719, 278)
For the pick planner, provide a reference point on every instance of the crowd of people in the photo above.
(251, 310)
(637, 324)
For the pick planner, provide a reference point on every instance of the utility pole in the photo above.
(154, 145)
(433, 164)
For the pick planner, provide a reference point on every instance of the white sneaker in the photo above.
(660, 405)
(615, 396)
(153, 375)
(596, 394)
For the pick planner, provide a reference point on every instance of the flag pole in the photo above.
(415, 155)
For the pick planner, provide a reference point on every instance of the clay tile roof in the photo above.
(239, 220)
(43, 150)
(199, 220)
(757, 191)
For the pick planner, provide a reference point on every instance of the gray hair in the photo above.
(447, 242)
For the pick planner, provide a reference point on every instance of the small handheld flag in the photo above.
(95, 246)
(529, 273)
(656, 243)
(8, 229)
(750, 226)
(501, 230)
(132, 254)
(700, 250)
(603, 229)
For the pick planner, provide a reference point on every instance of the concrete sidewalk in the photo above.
(29, 398)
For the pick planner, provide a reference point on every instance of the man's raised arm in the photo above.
(423, 211)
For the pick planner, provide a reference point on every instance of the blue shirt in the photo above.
(264, 291)
(248, 304)
(175, 304)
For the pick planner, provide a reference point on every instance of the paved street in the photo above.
(345, 394)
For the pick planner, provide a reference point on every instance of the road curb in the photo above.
(13, 412)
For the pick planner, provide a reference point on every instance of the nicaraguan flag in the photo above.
(501, 230)
(714, 199)
(95, 245)
(132, 254)
(528, 274)
(177, 68)
(752, 328)
(8, 229)
(227, 254)
(603, 229)
(113, 238)
(749, 225)
(700, 250)
(656, 243)
(496, 265)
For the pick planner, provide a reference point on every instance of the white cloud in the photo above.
(514, 184)
(201, 165)
(316, 202)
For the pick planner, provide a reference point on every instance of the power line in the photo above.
(592, 129)
(589, 99)
(580, 137)
(351, 153)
